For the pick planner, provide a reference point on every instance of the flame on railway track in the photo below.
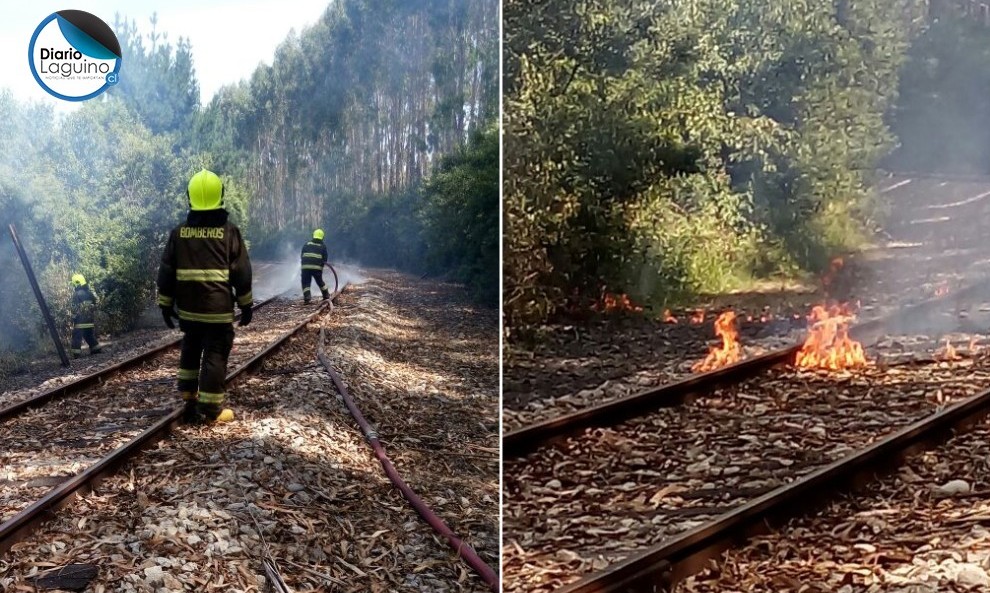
(828, 345)
(728, 351)
(698, 316)
(611, 302)
(949, 353)
(667, 317)
(942, 290)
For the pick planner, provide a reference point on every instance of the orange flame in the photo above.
(611, 302)
(667, 317)
(949, 353)
(698, 317)
(729, 351)
(828, 345)
(833, 270)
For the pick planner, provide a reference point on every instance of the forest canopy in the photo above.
(683, 147)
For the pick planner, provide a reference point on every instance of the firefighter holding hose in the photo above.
(83, 317)
(204, 268)
(314, 257)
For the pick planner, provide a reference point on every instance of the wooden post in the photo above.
(41, 299)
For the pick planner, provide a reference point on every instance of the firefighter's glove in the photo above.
(168, 313)
(245, 316)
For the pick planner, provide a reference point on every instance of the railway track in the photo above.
(522, 441)
(62, 441)
(41, 398)
(923, 529)
(633, 500)
(921, 253)
(662, 567)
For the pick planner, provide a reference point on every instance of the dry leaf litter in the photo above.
(923, 529)
(579, 505)
(184, 516)
(45, 445)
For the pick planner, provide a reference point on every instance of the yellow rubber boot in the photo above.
(211, 413)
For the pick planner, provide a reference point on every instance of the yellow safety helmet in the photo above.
(78, 280)
(205, 191)
(318, 234)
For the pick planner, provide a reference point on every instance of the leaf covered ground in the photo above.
(294, 471)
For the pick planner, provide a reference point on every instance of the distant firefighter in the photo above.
(83, 317)
(204, 265)
(314, 257)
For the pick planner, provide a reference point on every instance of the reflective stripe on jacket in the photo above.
(314, 255)
(83, 307)
(204, 265)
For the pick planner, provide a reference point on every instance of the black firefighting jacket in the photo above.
(204, 265)
(314, 255)
(83, 307)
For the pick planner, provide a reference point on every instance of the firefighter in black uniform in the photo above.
(83, 317)
(204, 267)
(314, 257)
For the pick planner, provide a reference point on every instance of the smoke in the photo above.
(934, 240)
(934, 245)
(282, 276)
(349, 273)
(16, 302)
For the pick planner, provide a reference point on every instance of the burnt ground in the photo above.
(934, 241)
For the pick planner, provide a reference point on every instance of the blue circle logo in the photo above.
(74, 55)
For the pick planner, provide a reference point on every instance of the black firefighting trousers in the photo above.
(203, 361)
(84, 333)
(307, 278)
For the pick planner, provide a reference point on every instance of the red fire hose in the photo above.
(336, 280)
(463, 549)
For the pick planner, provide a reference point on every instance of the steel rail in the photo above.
(9, 411)
(22, 524)
(524, 440)
(661, 567)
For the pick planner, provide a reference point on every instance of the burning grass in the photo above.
(610, 303)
